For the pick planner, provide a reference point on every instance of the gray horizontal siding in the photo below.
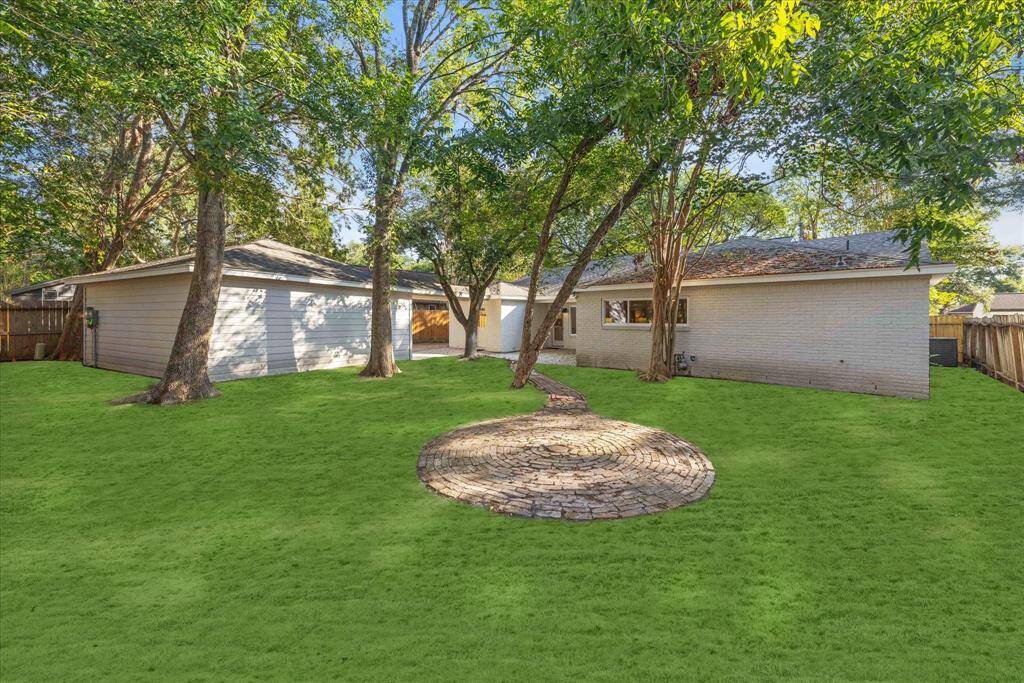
(261, 327)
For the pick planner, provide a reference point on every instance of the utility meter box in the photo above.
(92, 317)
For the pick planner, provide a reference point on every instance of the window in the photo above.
(615, 312)
(572, 321)
(638, 312)
(681, 312)
(641, 311)
(483, 318)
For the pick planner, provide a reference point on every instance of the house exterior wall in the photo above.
(570, 338)
(500, 334)
(540, 310)
(268, 328)
(138, 319)
(262, 327)
(865, 335)
(512, 314)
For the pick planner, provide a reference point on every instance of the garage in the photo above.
(280, 310)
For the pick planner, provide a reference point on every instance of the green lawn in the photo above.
(280, 532)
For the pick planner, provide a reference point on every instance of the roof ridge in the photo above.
(841, 252)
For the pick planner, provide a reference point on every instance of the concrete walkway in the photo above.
(440, 349)
(564, 462)
(545, 357)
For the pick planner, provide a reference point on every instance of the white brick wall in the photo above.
(865, 335)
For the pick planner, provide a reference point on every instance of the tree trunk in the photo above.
(659, 369)
(381, 362)
(471, 324)
(472, 328)
(69, 346)
(186, 378)
(524, 366)
(529, 352)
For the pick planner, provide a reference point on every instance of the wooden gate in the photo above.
(23, 326)
(429, 325)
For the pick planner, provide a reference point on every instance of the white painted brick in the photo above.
(865, 335)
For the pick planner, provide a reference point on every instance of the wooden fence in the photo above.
(949, 327)
(429, 326)
(23, 326)
(996, 347)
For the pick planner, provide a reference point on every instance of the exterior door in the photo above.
(560, 329)
(429, 322)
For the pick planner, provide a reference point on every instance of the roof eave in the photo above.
(236, 272)
(129, 275)
(937, 271)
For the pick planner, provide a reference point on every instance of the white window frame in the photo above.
(638, 326)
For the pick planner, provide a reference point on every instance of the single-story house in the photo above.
(51, 290)
(1006, 303)
(281, 309)
(845, 313)
(975, 310)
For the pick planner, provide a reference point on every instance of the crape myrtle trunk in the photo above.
(186, 378)
(659, 368)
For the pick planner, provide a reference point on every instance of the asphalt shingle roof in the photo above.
(749, 256)
(268, 256)
(1007, 301)
(35, 286)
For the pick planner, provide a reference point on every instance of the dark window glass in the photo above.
(681, 312)
(572, 320)
(640, 311)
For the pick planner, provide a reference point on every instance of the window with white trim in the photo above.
(572, 321)
(635, 312)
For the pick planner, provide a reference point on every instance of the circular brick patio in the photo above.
(565, 462)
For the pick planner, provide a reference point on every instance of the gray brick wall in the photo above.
(866, 335)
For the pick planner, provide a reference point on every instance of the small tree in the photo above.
(471, 224)
(410, 83)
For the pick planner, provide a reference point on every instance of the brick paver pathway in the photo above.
(565, 462)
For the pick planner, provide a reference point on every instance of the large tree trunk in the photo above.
(186, 378)
(381, 362)
(69, 346)
(471, 324)
(472, 328)
(659, 368)
(529, 352)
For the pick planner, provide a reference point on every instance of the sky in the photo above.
(1008, 229)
